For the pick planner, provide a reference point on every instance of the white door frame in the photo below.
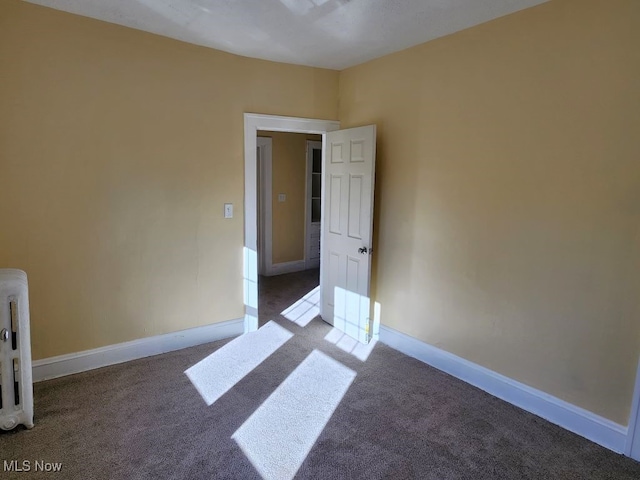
(252, 123)
(265, 249)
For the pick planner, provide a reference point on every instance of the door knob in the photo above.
(362, 250)
(4, 335)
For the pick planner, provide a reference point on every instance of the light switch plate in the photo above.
(282, 197)
(228, 210)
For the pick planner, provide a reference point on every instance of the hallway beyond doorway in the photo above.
(277, 293)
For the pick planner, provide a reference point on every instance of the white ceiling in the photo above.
(323, 33)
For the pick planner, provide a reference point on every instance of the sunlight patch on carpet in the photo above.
(220, 371)
(279, 435)
(305, 309)
(350, 345)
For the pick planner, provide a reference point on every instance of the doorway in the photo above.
(252, 124)
(289, 195)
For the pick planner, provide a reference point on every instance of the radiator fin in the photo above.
(16, 386)
(13, 311)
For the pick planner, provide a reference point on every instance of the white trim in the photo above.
(632, 448)
(265, 225)
(252, 123)
(250, 322)
(578, 420)
(323, 244)
(61, 365)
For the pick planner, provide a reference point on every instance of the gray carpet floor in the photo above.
(400, 419)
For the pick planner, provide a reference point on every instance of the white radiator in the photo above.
(16, 388)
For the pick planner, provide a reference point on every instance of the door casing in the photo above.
(252, 123)
(265, 212)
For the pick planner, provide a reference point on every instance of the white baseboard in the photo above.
(61, 365)
(250, 321)
(285, 267)
(632, 448)
(578, 420)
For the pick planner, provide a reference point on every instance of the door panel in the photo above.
(355, 206)
(347, 230)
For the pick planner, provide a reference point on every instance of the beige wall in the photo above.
(508, 195)
(118, 150)
(508, 185)
(289, 161)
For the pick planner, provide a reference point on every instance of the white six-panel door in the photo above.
(347, 224)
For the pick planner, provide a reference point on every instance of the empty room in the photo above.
(277, 239)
